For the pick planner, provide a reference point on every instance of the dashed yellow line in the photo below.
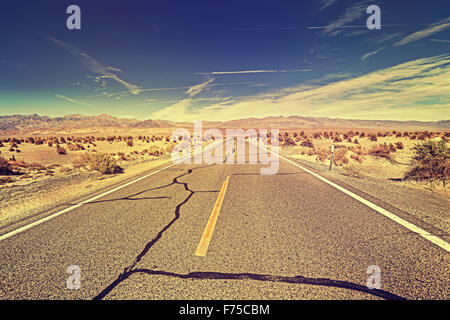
(207, 234)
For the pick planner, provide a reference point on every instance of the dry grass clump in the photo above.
(432, 162)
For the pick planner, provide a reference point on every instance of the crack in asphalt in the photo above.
(274, 278)
(128, 270)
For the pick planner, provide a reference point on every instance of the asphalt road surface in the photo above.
(283, 236)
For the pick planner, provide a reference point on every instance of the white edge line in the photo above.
(54, 215)
(408, 225)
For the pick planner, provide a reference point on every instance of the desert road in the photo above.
(223, 231)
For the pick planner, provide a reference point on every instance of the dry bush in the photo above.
(101, 162)
(322, 154)
(307, 143)
(5, 167)
(399, 145)
(6, 180)
(432, 162)
(373, 138)
(130, 142)
(353, 171)
(82, 161)
(381, 150)
(357, 158)
(340, 156)
(122, 156)
(392, 148)
(288, 141)
(169, 148)
(155, 151)
(60, 150)
(75, 147)
(64, 169)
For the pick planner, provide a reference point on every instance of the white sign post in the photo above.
(331, 157)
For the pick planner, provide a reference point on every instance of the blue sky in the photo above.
(211, 60)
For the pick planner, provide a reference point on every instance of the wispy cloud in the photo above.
(440, 40)
(114, 69)
(372, 53)
(194, 90)
(432, 29)
(387, 37)
(323, 4)
(71, 100)
(95, 66)
(251, 71)
(352, 13)
(415, 90)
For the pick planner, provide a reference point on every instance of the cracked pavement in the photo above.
(285, 236)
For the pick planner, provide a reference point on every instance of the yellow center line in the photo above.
(207, 234)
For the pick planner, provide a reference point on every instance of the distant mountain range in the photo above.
(15, 123)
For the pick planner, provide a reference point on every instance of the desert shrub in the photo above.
(431, 149)
(352, 170)
(155, 151)
(5, 167)
(6, 180)
(337, 139)
(373, 138)
(75, 147)
(322, 154)
(381, 150)
(339, 156)
(392, 148)
(421, 137)
(130, 142)
(357, 158)
(60, 150)
(103, 163)
(288, 141)
(432, 162)
(307, 143)
(169, 148)
(399, 145)
(50, 144)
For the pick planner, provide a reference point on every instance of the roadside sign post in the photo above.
(331, 157)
